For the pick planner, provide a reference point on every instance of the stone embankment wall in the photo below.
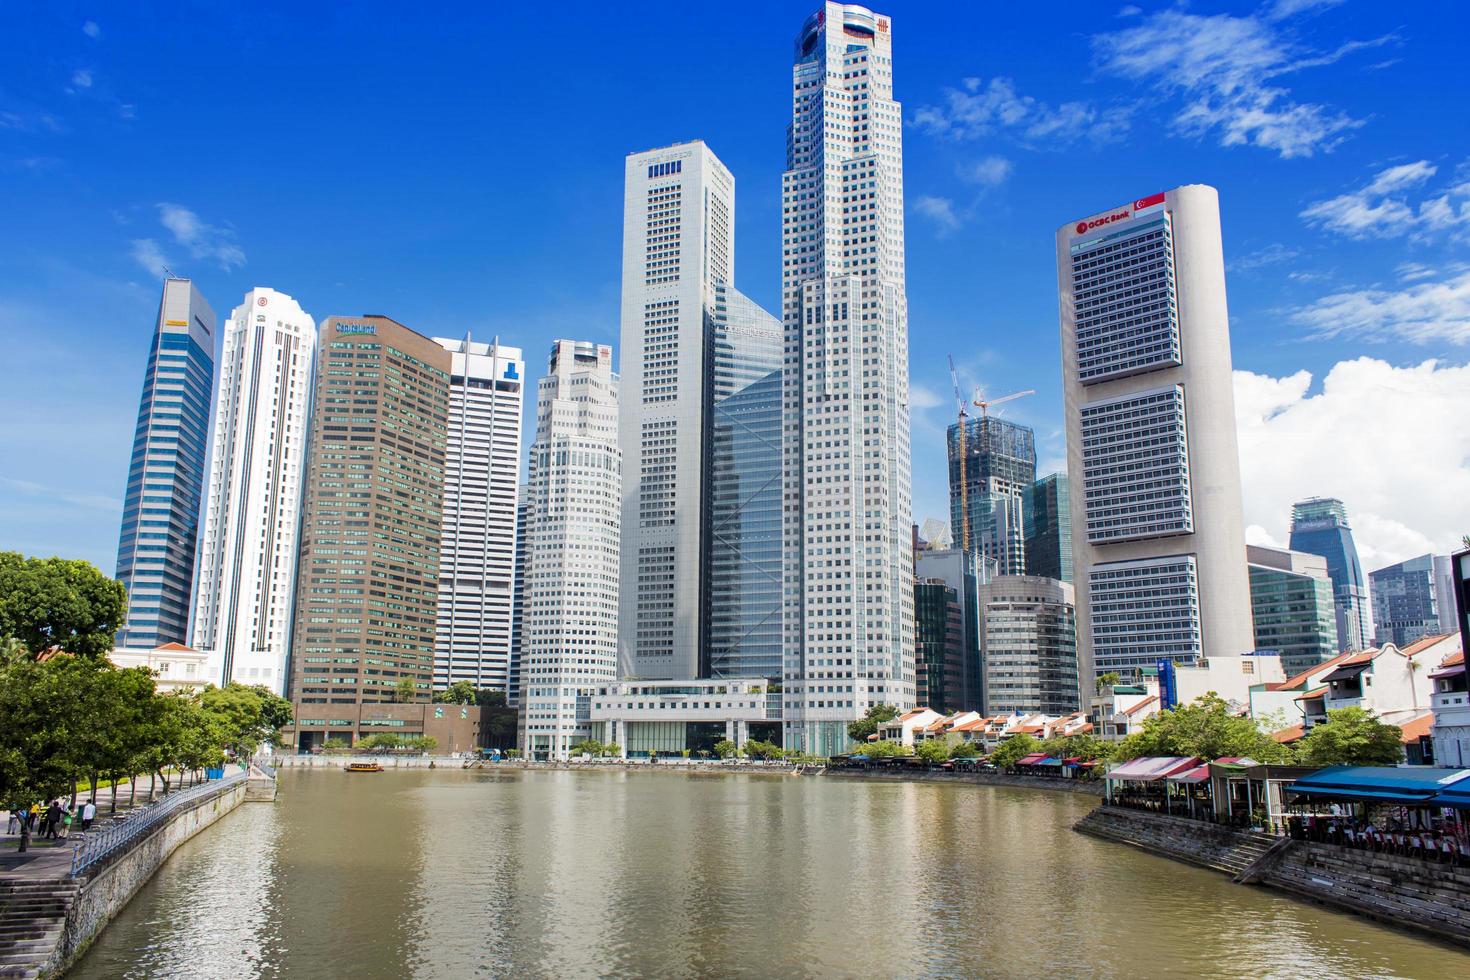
(104, 891)
(1410, 893)
(1085, 787)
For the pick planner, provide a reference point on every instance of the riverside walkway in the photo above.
(40, 889)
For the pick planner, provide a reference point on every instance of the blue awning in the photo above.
(1386, 783)
(1456, 795)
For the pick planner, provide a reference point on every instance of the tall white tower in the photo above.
(570, 633)
(477, 545)
(257, 466)
(848, 568)
(1157, 529)
(678, 242)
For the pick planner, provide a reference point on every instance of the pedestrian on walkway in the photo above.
(89, 813)
(52, 820)
(66, 819)
(17, 817)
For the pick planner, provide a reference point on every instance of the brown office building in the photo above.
(368, 584)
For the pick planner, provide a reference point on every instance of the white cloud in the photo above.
(1130, 11)
(1257, 535)
(146, 253)
(203, 240)
(81, 78)
(1272, 254)
(1378, 436)
(1222, 69)
(1382, 209)
(940, 210)
(1421, 312)
(979, 108)
(91, 501)
(991, 171)
(1282, 9)
(91, 29)
(922, 398)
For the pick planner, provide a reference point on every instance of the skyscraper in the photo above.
(999, 468)
(1292, 608)
(1028, 646)
(848, 569)
(477, 545)
(678, 244)
(963, 573)
(160, 522)
(368, 587)
(1407, 600)
(570, 636)
(1152, 461)
(257, 467)
(741, 535)
(1048, 523)
(939, 651)
(518, 595)
(1319, 526)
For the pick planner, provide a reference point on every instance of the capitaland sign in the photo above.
(356, 328)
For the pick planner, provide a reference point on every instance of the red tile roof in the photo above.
(1312, 695)
(1418, 728)
(1424, 643)
(1300, 680)
(1142, 704)
(1288, 735)
(175, 647)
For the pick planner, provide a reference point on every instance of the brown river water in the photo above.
(438, 874)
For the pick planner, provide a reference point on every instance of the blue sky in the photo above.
(463, 171)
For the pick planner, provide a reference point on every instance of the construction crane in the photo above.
(964, 416)
(984, 403)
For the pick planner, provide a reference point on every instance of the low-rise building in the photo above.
(1230, 677)
(1119, 710)
(454, 727)
(1451, 706)
(903, 728)
(668, 717)
(175, 667)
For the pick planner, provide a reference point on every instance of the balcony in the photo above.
(1451, 709)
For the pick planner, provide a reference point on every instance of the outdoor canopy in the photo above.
(1386, 784)
(1150, 768)
(1031, 760)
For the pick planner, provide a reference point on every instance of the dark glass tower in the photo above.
(1319, 526)
(999, 466)
(1048, 523)
(939, 631)
(155, 552)
(742, 509)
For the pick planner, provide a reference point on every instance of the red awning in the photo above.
(1031, 760)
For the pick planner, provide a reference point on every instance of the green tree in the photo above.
(1016, 747)
(380, 741)
(405, 691)
(498, 721)
(460, 692)
(725, 748)
(60, 602)
(336, 743)
(965, 750)
(246, 715)
(762, 750)
(1351, 737)
(1204, 728)
(47, 711)
(883, 749)
(932, 750)
(587, 746)
(612, 749)
(421, 743)
(868, 724)
(1107, 680)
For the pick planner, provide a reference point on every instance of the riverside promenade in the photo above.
(56, 897)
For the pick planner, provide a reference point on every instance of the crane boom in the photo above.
(984, 403)
(964, 415)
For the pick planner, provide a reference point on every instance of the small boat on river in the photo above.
(362, 767)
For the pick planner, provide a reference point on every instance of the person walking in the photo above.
(53, 820)
(17, 817)
(89, 813)
(67, 813)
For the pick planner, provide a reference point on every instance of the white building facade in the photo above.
(678, 241)
(848, 621)
(570, 638)
(1158, 536)
(477, 545)
(247, 553)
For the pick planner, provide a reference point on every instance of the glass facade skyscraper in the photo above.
(1319, 526)
(939, 630)
(742, 527)
(160, 524)
(1291, 607)
(1028, 646)
(1406, 601)
(999, 467)
(1048, 521)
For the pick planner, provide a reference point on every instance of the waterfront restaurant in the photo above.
(1413, 811)
(1244, 790)
(1142, 783)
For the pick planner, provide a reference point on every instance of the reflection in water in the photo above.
(567, 874)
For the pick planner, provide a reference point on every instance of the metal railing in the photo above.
(99, 845)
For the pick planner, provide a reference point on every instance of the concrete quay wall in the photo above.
(102, 893)
(1405, 892)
